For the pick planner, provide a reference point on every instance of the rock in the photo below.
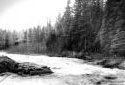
(109, 63)
(122, 65)
(7, 64)
(106, 79)
(23, 69)
(98, 83)
(27, 68)
(111, 77)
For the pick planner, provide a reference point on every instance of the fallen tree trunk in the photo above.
(23, 69)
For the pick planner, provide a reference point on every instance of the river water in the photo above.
(67, 71)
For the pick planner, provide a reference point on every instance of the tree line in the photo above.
(75, 31)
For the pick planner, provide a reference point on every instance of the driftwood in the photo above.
(23, 69)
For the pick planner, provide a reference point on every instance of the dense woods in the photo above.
(89, 26)
(112, 31)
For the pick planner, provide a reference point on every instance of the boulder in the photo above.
(110, 77)
(122, 65)
(27, 68)
(23, 69)
(110, 63)
(7, 64)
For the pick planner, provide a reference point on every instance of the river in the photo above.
(67, 71)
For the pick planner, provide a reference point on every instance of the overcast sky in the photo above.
(4, 4)
(23, 14)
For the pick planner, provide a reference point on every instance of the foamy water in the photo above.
(65, 70)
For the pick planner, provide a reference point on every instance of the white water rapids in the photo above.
(67, 71)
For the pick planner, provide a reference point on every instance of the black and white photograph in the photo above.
(62, 42)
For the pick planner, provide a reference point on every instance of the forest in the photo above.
(88, 27)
